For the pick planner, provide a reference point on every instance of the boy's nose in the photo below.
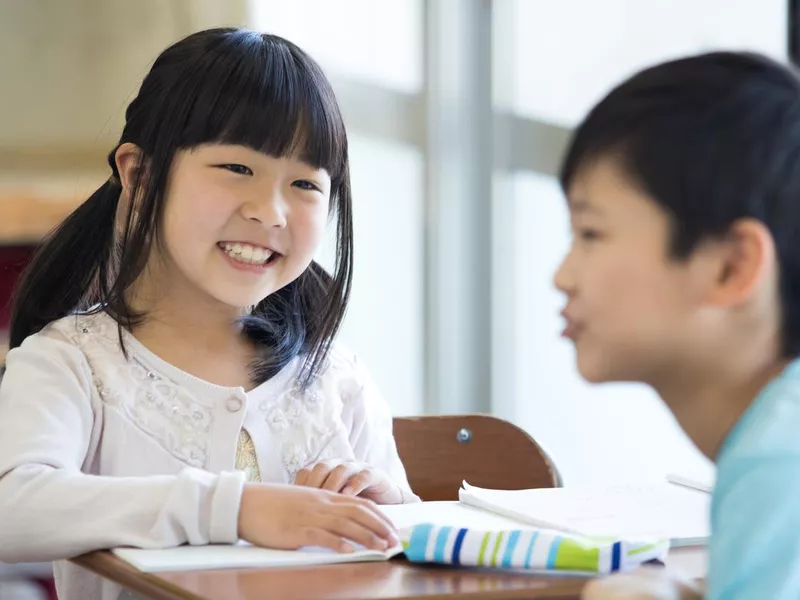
(563, 279)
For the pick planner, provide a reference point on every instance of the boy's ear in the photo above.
(746, 256)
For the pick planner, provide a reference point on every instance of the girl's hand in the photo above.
(290, 517)
(354, 479)
(644, 584)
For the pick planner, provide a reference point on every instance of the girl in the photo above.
(172, 368)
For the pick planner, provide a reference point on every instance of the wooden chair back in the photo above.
(439, 452)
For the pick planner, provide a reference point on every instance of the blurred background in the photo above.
(458, 113)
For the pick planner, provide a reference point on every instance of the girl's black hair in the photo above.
(711, 138)
(223, 85)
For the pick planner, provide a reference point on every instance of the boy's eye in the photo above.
(239, 169)
(304, 184)
(588, 235)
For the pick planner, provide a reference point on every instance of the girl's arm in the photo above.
(51, 510)
(371, 437)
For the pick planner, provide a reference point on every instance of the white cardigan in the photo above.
(98, 451)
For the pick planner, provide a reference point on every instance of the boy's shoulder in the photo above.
(770, 425)
(754, 552)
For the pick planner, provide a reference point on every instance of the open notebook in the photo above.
(657, 511)
(240, 556)
(244, 555)
(634, 513)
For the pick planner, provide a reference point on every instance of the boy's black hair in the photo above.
(221, 85)
(712, 139)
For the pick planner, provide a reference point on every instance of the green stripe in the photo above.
(497, 548)
(575, 556)
(636, 551)
(484, 543)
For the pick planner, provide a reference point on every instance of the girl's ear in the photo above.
(131, 166)
(129, 159)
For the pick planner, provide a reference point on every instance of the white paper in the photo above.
(237, 556)
(694, 482)
(661, 511)
(452, 514)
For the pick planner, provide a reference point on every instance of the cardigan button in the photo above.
(234, 404)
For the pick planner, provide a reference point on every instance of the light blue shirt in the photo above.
(754, 551)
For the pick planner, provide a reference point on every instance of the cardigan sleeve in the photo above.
(49, 508)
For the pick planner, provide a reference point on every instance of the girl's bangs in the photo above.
(262, 92)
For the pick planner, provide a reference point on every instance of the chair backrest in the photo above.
(439, 452)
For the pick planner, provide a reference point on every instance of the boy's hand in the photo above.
(353, 479)
(647, 583)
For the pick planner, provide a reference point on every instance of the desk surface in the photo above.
(395, 580)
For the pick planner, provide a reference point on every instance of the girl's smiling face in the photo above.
(239, 225)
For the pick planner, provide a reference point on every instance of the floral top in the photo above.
(246, 459)
(98, 450)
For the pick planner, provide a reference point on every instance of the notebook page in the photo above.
(693, 481)
(454, 514)
(238, 556)
(662, 511)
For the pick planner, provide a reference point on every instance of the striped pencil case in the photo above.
(535, 549)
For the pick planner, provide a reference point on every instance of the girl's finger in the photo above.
(338, 478)
(360, 482)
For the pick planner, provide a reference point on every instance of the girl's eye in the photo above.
(304, 184)
(239, 169)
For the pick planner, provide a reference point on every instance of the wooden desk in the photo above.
(394, 580)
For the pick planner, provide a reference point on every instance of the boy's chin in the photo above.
(591, 376)
(599, 371)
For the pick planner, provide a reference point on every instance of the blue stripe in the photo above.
(441, 542)
(418, 543)
(457, 546)
(510, 547)
(529, 553)
(551, 556)
(616, 556)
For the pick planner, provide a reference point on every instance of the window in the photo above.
(562, 57)
(411, 75)
(372, 51)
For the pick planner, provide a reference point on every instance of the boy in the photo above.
(683, 186)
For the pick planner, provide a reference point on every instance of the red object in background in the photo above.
(12, 261)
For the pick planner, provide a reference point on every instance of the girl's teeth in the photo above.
(246, 253)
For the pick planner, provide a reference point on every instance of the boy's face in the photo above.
(632, 310)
